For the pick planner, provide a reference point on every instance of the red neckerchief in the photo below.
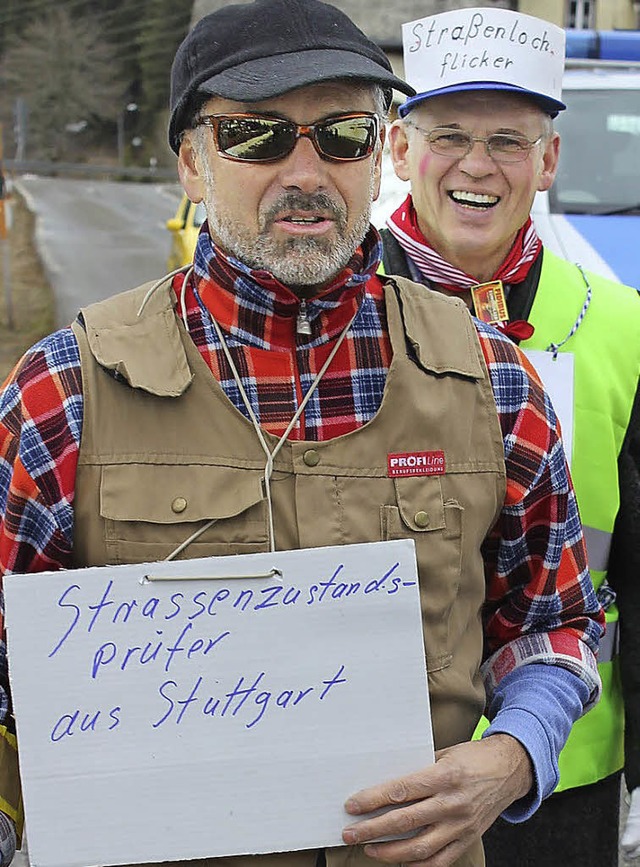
(403, 225)
(252, 303)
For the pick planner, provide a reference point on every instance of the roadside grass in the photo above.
(32, 302)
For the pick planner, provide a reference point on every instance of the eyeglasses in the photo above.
(457, 143)
(259, 139)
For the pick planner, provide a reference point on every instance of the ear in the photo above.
(550, 159)
(189, 170)
(399, 149)
(377, 167)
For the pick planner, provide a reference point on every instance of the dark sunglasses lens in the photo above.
(351, 138)
(255, 138)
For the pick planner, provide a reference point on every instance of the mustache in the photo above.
(294, 200)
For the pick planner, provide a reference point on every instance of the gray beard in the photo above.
(305, 261)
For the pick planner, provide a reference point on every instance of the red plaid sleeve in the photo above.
(40, 425)
(540, 604)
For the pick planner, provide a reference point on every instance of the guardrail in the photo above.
(118, 173)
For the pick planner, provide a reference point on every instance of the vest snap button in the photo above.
(421, 520)
(311, 458)
(179, 505)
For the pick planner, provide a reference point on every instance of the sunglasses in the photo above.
(256, 138)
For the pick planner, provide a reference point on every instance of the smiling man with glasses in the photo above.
(475, 161)
(477, 143)
(279, 394)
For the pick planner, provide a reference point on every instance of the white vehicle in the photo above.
(591, 215)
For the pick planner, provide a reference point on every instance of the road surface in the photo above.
(97, 238)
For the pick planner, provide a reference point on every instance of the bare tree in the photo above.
(65, 73)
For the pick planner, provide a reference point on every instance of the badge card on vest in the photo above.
(213, 707)
(557, 375)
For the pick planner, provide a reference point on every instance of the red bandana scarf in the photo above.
(403, 225)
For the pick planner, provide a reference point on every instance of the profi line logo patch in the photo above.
(416, 464)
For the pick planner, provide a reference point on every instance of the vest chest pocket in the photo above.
(421, 513)
(149, 510)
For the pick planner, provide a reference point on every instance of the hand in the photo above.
(446, 806)
(7, 840)
(630, 842)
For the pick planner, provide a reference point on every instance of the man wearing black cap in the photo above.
(259, 402)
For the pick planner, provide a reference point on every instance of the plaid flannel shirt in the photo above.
(540, 604)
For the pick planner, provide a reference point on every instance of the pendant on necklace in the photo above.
(303, 326)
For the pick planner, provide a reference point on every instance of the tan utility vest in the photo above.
(164, 451)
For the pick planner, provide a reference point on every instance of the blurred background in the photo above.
(87, 80)
(89, 200)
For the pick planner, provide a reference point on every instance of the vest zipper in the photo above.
(303, 326)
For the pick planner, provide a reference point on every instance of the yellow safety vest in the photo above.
(606, 349)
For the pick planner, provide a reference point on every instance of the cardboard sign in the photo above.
(213, 707)
(476, 44)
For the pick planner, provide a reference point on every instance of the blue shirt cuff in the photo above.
(537, 704)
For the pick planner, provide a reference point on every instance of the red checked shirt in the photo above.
(540, 602)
